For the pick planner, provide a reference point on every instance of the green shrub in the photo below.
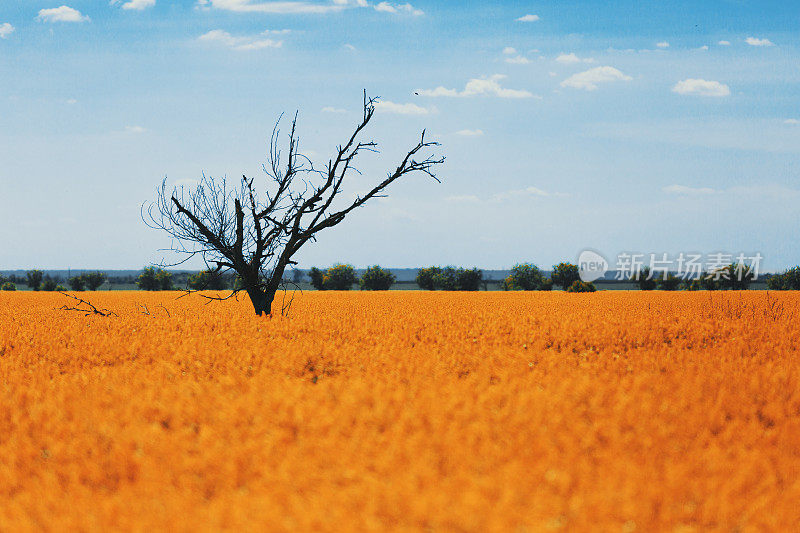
(787, 281)
(77, 283)
(581, 286)
(49, 284)
(8, 286)
(565, 275)
(33, 279)
(211, 280)
(449, 278)
(526, 277)
(337, 278)
(317, 276)
(377, 279)
(61, 288)
(154, 279)
(643, 279)
(426, 278)
(671, 283)
(93, 280)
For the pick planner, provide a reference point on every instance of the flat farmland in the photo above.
(614, 411)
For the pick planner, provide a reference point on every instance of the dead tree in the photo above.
(256, 235)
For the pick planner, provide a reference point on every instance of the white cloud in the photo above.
(791, 121)
(470, 133)
(701, 88)
(684, 190)
(333, 110)
(285, 7)
(137, 5)
(72, 101)
(241, 43)
(724, 43)
(135, 129)
(408, 9)
(349, 47)
(704, 47)
(6, 29)
(517, 60)
(528, 18)
(752, 41)
(571, 58)
(385, 106)
(479, 87)
(589, 79)
(663, 44)
(509, 50)
(525, 193)
(61, 14)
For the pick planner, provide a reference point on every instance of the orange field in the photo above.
(614, 411)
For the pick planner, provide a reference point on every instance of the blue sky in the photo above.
(640, 126)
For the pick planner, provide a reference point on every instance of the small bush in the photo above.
(581, 286)
(316, 276)
(643, 279)
(211, 280)
(671, 283)
(565, 275)
(377, 279)
(787, 281)
(426, 278)
(77, 283)
(337, 278)
(154, 279)
(33, 279)
(61, 288)
(526, 277)
(93, 280)
(8, 286)
(49, 284)
(449, 278)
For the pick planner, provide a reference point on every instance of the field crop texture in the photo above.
(614, 411)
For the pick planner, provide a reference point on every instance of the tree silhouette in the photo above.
(257, 235)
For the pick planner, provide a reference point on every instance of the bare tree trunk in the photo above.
(261, 300)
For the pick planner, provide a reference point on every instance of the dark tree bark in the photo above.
(256, 236)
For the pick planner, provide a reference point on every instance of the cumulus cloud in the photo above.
(701, 88)
(517, 60)
(135, 129)
(408, 9)
(571, 58)
(791, 121)
(470, 133)
(61, 14)
(6, 29)
(333, 110)
(724, 43)
(528, 18)
(136, 5)
(509, 51)
(224, 38)
(385, 106)
(588, 79)
(663, 44)
(687, 191)
(479, 87)
(752, 41)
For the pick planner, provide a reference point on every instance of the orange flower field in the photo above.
(613, 411)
